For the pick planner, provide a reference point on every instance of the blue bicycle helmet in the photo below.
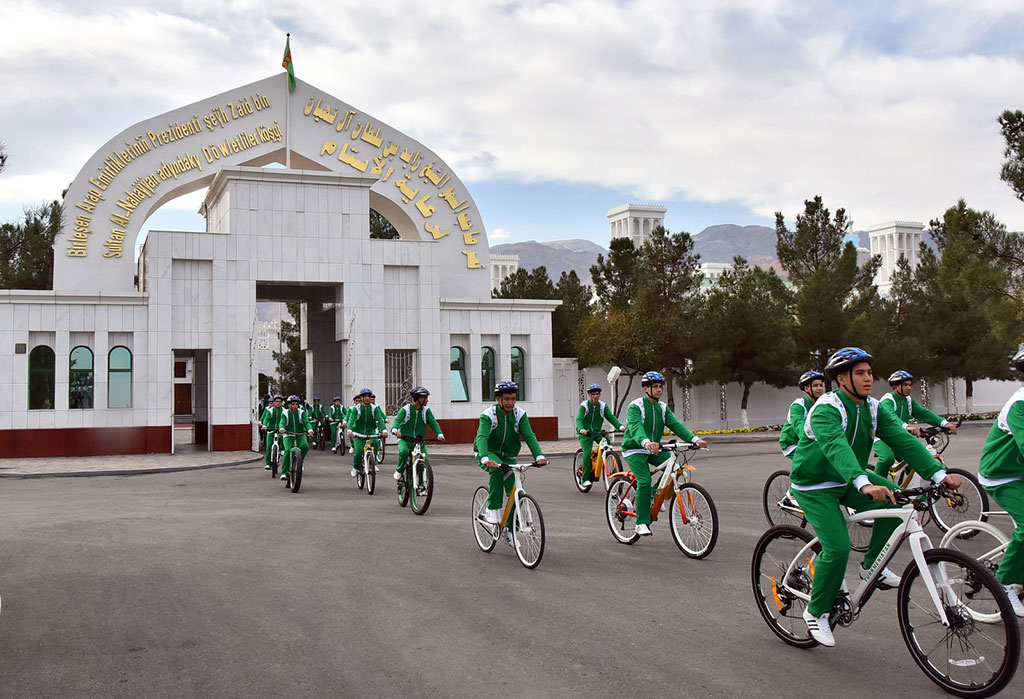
(808, 377)
(278, 396)
(506, 387)
(846, 358)
(898, 377)
(652, 377)
(593, 387)
(365, 392)
(294, 399)
(336, 398)
(418, 392)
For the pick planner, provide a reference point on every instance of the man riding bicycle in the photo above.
(367, 419)
(336, 421)
(269, 421)
(829, 470)
(1001, 474)
(900, 402)
(812, 383)
(412, 421)
(294, 420)
(646, 420)
(503, 427)
(589, 423)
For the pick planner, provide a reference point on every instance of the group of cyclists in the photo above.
(829, 436)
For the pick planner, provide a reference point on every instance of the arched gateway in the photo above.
(378, 313)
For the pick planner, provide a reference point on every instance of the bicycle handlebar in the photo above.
(906, 495)
(417, 440)
(293, 434)
(675, 445)
(369, 436)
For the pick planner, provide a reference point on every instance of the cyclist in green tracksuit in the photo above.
(829, 470)
(316, 418)
(646, 421)
(589, 424)
(812, 383)
(902, 404)
(1002, 476)
(294, 420)
(503, 428)
(412, 421)
(336, 415)
(364, 418)
(268, 423)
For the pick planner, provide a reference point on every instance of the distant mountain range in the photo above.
(720, 243)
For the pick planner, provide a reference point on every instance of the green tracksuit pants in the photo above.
(302, 443)
(640, 465)
(1010, 496)
(405, 448)
(587, 445)
(499, 484)
(358, 446)
(821, 508)
(334, 427)
(886, 458)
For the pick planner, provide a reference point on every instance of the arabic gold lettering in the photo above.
(372, 138)
(472, 261)
(425, 208)
(435, 230)
(308, 109)
(468, 238)
(464, 222)
(329, 148)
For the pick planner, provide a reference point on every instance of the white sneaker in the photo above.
(334, 450)
(267, 467)
(887, 579)
(492, 516)
(284, 476)
(642, 530)
(376, 467)
(354, 473)
(509, 540)
(587, 484)
(1015, 602)
(819, 628)
(397, 475)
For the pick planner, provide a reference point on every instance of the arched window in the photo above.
(460, 389)
(80, 378)
(519, 370)
(119, 378)
(487, 373)
(41, 366)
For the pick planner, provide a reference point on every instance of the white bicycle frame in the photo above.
(513, 498)
(919, 543)
(671, 467)
(414, 459)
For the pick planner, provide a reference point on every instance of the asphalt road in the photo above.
(220, 583)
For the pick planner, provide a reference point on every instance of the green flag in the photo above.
(287, 63)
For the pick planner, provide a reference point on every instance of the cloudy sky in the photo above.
(554, 112)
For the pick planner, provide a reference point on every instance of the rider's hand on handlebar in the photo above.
(490, 463)
(916, 431)
(952, 481)
(879, 493)
(542, 462)
(652, 447)
(951, 427)
(700, 443)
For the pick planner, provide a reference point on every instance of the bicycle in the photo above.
(368, 475)
(417, 481)
(692, 512)
(275, 456)
(942, 510)
(602, 459)
(380, 452)
(321, 435)
(294, 481)
(953, 615)
(339, 441)
(521, 521)
(980, 540)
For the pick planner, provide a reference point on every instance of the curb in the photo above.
(130, 472)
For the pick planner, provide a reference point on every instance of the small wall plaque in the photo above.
(20, 348)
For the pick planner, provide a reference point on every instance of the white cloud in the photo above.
(747, 102)
(498, 234)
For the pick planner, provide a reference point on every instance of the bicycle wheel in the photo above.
(979, 540)
(577, 475)
(860, 531)
(528, 531)
(967, 658)
(612, 465)
(403, 488)
(380, 451)
(774, 594)
(370, 469)
(620, 510)
(695, 526)
(780, 507)
(946, 513)
(275, 460)
(482, 531)
(295, 477)
(422, 495)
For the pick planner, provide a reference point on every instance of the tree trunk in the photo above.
(670, 398)
(743, 406)
(624, 396)
(970, 395)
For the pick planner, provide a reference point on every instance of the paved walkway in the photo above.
(136, 464)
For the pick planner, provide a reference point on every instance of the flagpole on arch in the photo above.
(286, 63)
